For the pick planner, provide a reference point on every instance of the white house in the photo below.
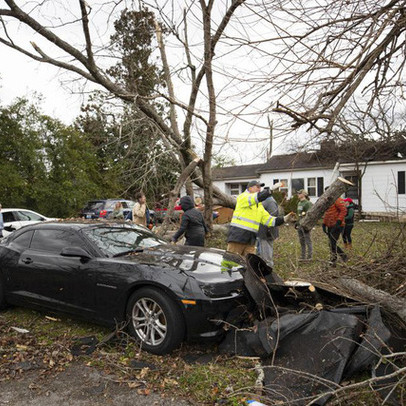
(378, 173)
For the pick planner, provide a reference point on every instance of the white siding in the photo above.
(379, 184)
(268, 178)
(222, 184)
(379, 188)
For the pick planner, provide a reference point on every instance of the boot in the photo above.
(349, 246)
(346, 244)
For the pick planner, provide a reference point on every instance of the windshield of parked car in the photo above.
(94, 205)
(114, 241)
(29, 216)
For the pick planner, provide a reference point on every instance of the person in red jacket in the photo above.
(333, 223)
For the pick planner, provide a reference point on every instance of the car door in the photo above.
(46, 278)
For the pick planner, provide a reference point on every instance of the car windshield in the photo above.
(110, 205)
(115, 241)
(29, 216)
(93, 205)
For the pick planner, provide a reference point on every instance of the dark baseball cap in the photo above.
(255, 183)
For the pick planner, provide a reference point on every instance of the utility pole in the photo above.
(269, 151)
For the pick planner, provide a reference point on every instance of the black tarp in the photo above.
(309, 338)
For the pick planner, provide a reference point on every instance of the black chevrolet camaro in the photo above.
(115, 273)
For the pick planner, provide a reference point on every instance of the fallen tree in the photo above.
(335, 190)
(368, 294)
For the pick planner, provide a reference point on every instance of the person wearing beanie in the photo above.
(349, 222)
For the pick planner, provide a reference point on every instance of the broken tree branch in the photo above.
(367, 293)
(336, 189)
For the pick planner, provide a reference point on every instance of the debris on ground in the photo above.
(309, 338)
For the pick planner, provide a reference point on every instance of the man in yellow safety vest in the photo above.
(248, 215)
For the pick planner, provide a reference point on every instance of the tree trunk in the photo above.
(366, 293)
(336, 189)
(189, 188)
(174, 194)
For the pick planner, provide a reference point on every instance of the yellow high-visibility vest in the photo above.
(249, 213)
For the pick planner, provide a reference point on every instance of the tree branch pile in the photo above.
(379, 281)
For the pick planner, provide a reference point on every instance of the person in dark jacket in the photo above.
(192, 224)
(349, 222)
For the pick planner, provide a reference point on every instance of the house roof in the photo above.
(240, 171)
(299, 160)
(326, 157)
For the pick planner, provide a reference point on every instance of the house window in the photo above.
(401, 183)
(285, 187)
(311, 186)
(234, 189)
(352, 191)
(320, 186)
(297, 184)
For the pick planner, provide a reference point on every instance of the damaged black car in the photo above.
(121, 274)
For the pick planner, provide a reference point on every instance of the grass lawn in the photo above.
(372, 241)
(47, 345)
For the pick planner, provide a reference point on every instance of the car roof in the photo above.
(79, 224)
(110, 200)
(19, 209)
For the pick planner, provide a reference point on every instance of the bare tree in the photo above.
(87, 60)
(321, 55)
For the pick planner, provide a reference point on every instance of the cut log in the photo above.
(368, 294)
(335, 190)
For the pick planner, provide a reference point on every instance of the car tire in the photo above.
(155, 320)
(3, 303)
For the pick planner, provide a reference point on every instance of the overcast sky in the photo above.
(20, 76)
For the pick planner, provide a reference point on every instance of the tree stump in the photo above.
(335, 190)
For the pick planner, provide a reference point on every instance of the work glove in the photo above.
(277, 185)
(324, 227)
(290, 217)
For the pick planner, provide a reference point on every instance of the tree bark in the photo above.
(336, 189)
(208, 149)
(366, 293)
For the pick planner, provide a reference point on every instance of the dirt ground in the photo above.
(77, 385)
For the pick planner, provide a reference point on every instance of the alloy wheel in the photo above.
(149, 321)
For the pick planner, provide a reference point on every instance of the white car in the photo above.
(16, 218)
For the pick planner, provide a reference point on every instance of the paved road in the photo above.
(78, 385)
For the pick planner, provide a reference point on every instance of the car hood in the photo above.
(218, 272)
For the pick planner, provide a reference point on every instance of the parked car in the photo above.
(110, 273)
(14, 219)
(95, 209)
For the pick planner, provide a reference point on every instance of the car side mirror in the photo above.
(10, 228)
(75, 252)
